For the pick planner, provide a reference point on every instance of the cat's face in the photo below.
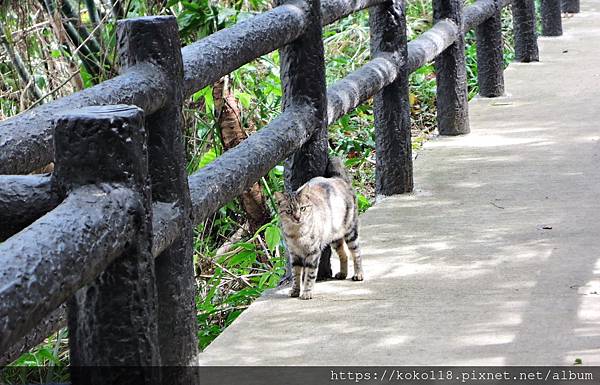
(294, 208)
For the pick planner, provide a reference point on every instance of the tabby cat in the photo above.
(320, 213)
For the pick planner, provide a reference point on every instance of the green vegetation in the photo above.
(46, 363)
(234, 262)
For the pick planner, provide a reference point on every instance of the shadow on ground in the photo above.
(494, 260)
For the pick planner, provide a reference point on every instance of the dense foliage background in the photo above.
(52, 48)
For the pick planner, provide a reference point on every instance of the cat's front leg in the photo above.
(296, 276)
(311, 263)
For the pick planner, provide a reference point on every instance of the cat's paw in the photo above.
(340, 275)
(358, 276)
(306, 295)
(294, 292)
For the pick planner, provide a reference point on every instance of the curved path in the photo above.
(494, 260)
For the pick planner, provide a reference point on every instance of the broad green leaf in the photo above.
(363, 202)
(246, 257)
(272, 237)
(263, 279)
(208, 157)
(232, 316)
(244, 99)
(245, 245)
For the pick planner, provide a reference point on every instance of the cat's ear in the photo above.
(305, 194)
(279, 197)
(304, 190)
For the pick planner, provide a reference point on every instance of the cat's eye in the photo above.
(303, 208)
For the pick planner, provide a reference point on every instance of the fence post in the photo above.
(303, 81)
(490, 59)
(526, 47)
(155, 40)
(451, 74)
(551, 18)
(570, 6)
(113, 320)
(394, 169)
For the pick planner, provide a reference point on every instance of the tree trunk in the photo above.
(232, 133)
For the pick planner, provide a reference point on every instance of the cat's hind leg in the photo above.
(351, 239)
(341, 252)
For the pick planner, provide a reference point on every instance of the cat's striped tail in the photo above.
(335, 168)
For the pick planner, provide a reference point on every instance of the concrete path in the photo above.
(494, 260)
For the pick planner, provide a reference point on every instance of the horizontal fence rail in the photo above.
(23, 199)
(237, 169)
(481, 11)
(342, 96)
(51, 324)
(25, 140)
(118, 219)
(59, 253)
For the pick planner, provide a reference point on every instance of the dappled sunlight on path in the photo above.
(493, 260)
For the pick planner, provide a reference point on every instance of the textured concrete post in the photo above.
(303, 81)
(156, 40)
(394, 170)
(451, 74)
(490, 60)
(551, 18)
(526, 47)
(570, 6)
(112, 321)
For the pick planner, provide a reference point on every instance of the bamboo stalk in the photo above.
(17, 62)
(73, 17)
(88, 59)
(93, 11)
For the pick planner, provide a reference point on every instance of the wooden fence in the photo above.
(109, 233)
